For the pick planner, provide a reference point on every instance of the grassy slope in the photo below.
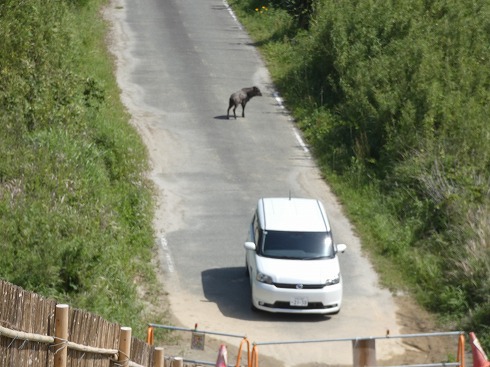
(75, 206)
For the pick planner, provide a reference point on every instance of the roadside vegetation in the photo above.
(75, 207)
(394, 99)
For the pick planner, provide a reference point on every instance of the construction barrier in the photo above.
(479, 357)
(222, 360)
(150, 335)
(222, 353)
(363, 349)
(239, 355)
(460, 355)
(254, 362)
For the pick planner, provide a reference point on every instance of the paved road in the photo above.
(178, 61)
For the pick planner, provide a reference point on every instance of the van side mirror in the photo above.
(250, 246)
(341, 247)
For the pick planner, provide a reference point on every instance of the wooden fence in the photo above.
(30, 336)
(27, 335)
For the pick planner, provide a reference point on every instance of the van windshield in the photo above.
(297, 245)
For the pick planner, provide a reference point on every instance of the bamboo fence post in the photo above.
(124, 346)
(178, 362)
(159, 357)
(61, 335)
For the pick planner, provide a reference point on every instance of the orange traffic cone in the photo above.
(222, 360)
(479, 357)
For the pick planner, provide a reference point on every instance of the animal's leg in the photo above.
(234, 111)
(243, 108)
(230, 105)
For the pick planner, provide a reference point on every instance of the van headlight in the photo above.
(263, 278)
(335, 280)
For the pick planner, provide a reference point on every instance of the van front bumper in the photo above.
(268, 297)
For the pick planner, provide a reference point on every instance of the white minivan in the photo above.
(291, 258)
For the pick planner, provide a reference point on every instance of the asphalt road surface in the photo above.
(178, 61)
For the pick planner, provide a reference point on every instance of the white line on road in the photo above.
(300, 140)
(232, 14)
(302, 144)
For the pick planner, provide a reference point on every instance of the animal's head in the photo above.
(256, 91)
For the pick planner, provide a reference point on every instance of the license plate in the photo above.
(299, 302)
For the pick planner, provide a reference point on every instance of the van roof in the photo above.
(292, 214)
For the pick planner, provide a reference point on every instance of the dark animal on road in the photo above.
(241, 98)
